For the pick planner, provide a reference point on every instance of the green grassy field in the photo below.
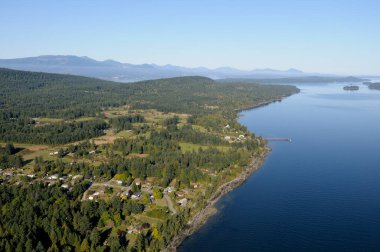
(185, 147)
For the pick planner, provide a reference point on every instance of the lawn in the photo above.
(185, 147)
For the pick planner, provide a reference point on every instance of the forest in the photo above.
(169, 140)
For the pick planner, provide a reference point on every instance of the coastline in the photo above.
(200, 218)
(262, 104)
(209, 210)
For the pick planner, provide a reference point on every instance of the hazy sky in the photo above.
(312, 35)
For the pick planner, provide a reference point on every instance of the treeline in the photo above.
(7, 157)
(125, 122)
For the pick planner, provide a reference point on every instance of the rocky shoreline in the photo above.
(202, 216)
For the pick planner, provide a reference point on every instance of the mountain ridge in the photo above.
(126, 72)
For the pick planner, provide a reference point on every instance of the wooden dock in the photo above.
(278, 139)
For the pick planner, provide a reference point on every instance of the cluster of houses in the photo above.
(66, 180)
(137, 229)
(239, 138)
(230, 138)
(126, 192)
(180, 194)
(53, 153)
(95, 194)
(7, 173)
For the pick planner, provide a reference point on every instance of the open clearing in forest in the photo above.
(185, 147)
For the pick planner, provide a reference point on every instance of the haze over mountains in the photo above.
(117, 71)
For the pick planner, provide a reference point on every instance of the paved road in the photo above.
(170, 203)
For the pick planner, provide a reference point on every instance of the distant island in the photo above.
(293, 80)
(351, 88)
(374, 85)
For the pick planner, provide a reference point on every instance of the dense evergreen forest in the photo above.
(169, 140)
(64, 96)
(7, 157)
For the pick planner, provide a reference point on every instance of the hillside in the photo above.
(33, 94)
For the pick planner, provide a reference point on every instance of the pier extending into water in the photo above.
(278, 139)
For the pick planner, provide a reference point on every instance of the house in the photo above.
(227, 138)
(64, 177)
(241, 137)
(92, 152)
(134, 229)
(31, 175)
(77, 177)
(195, 185)
(127, 193)
(136, 196)
(8, 173)
(130, 229)
(53, 177)
(227, 126)
(91, 197)
(182, 202)
(180, 194)
(65, 186)
(147, 185)
(169, 189)
(119, 182)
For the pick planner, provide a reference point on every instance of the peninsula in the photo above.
(92, 165)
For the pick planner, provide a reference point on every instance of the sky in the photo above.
(334, 36)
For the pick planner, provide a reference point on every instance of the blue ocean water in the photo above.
(321, 192)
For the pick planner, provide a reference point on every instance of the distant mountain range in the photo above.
(125, 72)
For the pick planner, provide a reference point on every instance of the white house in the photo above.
(65, 186)
(182, 202)
(53, 177)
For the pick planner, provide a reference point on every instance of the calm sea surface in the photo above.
(321, 192)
